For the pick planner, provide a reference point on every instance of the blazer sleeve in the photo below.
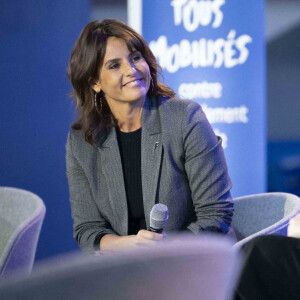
(207, 173)
(88, 224)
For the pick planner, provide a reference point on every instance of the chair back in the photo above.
(266, 213)
(21, 217)
(181, 268)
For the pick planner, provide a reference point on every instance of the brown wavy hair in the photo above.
(84, 71)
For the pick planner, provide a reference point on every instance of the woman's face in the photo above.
(124, 75)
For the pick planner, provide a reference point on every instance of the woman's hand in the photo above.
(145, 237)
(111, 243)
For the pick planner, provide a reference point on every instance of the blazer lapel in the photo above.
(152, 151)
(112, 169)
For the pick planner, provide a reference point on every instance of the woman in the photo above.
(135, 145)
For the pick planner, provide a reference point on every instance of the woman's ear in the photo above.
(96, 87)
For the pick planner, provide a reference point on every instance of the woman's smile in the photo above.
(134, 83)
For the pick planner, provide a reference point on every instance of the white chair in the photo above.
(21, 217)
(185, 268)
(267, 213)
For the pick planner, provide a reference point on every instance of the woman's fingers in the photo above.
(149, 235)
(145, 237)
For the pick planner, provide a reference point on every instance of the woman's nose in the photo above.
(130, 69)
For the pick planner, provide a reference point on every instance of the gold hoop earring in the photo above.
(96, 104)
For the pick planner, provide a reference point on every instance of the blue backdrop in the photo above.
(213, 52)
(35, 110)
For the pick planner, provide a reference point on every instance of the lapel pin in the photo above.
(156, 145)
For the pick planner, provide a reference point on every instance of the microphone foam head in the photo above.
(158, 216)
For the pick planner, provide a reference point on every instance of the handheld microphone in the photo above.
(158, 217)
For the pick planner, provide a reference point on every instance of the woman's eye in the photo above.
(114, 66)
(136, 58)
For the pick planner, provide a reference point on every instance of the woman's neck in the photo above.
(128, 114)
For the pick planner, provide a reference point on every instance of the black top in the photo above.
(130, 152)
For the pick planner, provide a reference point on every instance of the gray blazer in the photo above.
(183, 166)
